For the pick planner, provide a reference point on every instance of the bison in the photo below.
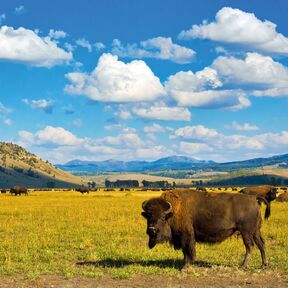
(265, 191)
(184, 217)
(283, 197)
(83, 190)
(18, 190)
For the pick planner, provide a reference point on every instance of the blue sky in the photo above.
(141, 80)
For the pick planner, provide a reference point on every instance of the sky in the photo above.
(142, 80)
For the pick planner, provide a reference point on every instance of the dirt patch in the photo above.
(188, 279)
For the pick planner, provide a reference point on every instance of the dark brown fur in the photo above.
(83, 190)
(266, 191)
(18, 190)
(198, 216)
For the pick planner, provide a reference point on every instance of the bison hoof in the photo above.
(264, 266)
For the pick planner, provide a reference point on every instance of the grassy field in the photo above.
(74, 235)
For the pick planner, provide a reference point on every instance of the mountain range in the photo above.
(171, 163)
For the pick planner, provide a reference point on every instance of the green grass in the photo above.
(69, 234)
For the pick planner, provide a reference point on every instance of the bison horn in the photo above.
(144, 205)
(169, 209)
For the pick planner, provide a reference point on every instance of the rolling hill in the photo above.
(19, 167)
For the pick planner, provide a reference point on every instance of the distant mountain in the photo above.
(20, 167)
(168, 163)
(171, 163)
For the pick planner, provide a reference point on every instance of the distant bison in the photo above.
(283, 197)
(3, 191)
(18, 190)
(83, 190)
(184, 217)
(266, 191)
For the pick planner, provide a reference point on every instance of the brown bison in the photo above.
(184, 217)
(283, 197)
(18, 190)
(265, 191)
(83, 190)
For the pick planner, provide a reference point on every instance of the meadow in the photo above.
(103, 233)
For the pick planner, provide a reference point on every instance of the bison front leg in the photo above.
(189, 250)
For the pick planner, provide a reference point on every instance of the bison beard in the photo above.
(184, 217)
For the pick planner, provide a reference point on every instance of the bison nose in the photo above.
(151, 231)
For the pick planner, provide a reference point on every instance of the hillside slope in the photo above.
(19, 167)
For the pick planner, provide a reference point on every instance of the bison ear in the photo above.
(144, 214)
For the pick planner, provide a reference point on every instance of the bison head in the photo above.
(271, 194)
(157, 211)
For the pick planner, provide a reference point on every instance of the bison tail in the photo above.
(268, 207)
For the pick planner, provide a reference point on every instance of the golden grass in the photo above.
(70, 234)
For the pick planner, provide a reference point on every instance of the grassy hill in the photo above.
(19, 167)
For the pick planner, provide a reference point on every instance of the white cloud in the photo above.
(115, 81)
(60, 145)
(159, 48)
(208, 143)
(159, 111)
(84, 43)
(244, 126)
(194, 148)
(258, 70)
(50, 135)
(154, 128)
(99, 46)
(24, 45)
(196, 132)
(238, 27)
(42, 104)
(198, 90)
(57, 34)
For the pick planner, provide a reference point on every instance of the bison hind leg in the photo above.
(259, 241)
(249, 245)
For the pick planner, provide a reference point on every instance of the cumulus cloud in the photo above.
(194, 148)
(126, 145)
(115, 81)
(50, 136)
(244, 127)
(160, 111)
(200, 90)
(159, 48)
(208, 143)
(196, 132)
(256, 70)
(238, 27)
(24, 45)
(42, 104)
(84, 43)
